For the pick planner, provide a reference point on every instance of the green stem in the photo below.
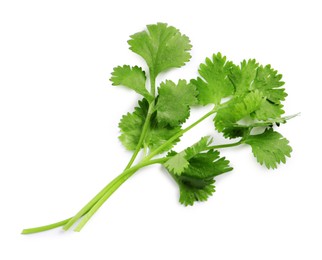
(93, 205)
(226, 145)
(44, 228)
(130, 163)
(142, 137)
(107, 194)
(146, 125)
(119, 181)
(96, 199)
(88, 206)
(152, 82)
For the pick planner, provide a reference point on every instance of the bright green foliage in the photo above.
(249, 76)
(131, 126)
(243, 76)
(269, 82)
(174, 101)
(133, 78)
(205, 165)
(254, 93)
(269, 148)
(245, 97)
(180, 161)
(237, 109)
(194, 189)
(194, 170)
(177, 163)
(215, 83)
(268, 110)
(171, 110)
(196, 180)
(162, 46)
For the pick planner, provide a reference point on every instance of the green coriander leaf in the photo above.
(243, 76)
(133, 78)
(249, 76)
(215, 83)
(158, 135)
(269, 148)
(268, 81)
(173, 106)
(200, 146)
(193, 189)
(196, 180)
(178, 162)
(162, 46)
(206, 165)
(236, 109)
(131, 126)
(268, 110)
(255, 91)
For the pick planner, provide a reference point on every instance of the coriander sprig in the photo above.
(245, 97)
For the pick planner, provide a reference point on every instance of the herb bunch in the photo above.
(245, 98)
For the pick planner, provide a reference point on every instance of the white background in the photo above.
(59, 145)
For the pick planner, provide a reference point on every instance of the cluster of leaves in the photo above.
(255, 93)
(172, 108)
(244, 96)
(194, 170)
(254, 101)
(163, 47)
